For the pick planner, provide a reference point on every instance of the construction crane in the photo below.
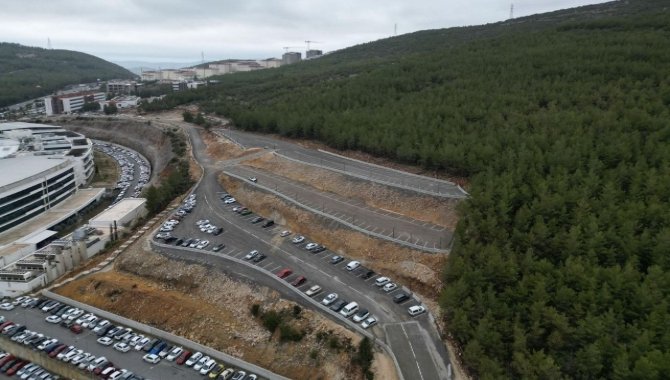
(289, 47)
(311, 42)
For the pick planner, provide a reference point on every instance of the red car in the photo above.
(299, 281)
(10, 372)
(6, 359)
(76, 329)
(8, 323)
(98, 370)
(57, 350)
(284, 273)
(183, 357)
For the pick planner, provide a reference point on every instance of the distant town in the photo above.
(118, 94)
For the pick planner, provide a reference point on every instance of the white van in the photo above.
(349, 309)
(353, 265)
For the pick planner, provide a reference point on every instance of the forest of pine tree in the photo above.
(561, 267)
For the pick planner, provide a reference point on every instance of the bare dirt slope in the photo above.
(208, 307)
(439, 211)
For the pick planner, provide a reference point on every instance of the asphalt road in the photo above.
(241, 236)
(342, 164)
(389, 225)
(35, 321)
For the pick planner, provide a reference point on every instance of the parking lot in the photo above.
(135, 169)
(88, 341)
(277, 252)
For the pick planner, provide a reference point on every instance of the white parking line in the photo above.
(372, 277)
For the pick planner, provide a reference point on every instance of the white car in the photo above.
(313, 290)
(251, 255)
(229, 200)
(202, 244)
(53, 319)
(151, 358)
(198, 366)
(201, 222)
(174, 353)
(105, 341)
(253, 179)
(382, 281)
(361, 315)
(416, 310)
(6, 306)
(208, 366)
(298, 239)
(369, 322)
(143, 342)
(327, 300)
(193, 359)
(353, 265)
(311, 246)
(285, 233)
(389, 287)
(122, 347)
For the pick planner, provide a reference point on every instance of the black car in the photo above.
(186, 242)
(336, 259)
(170, 239)
(318, 249)
(179, 241)
(268, 223)
(260, 257)
(257, 219)
(400, 297)
(218, 231)
(338, 305)
(368, 274)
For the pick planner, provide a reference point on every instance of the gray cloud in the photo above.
(178, 30)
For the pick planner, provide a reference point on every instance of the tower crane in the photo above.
(311, 42)
(289, 47)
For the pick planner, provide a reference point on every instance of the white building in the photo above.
(69, 103)
(42, 165)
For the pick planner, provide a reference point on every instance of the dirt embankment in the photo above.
(438, 211)
(207, 306)
(142, 137)
(419, 271)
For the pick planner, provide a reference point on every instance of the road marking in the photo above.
(412, 349)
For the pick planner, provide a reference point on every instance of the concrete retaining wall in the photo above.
(41, 358)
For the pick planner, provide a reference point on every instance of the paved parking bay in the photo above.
(132, 360)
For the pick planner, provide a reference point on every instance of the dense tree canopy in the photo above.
(30, 72)
(561, 267)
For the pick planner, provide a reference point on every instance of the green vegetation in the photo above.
(364, 357)
(110, 109)
(273, 320)
(561, 267)
(177, 181)
(30, 72)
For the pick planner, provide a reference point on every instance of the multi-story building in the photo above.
(313, 53)
(291, 57)
(72, 102)
(122, 87)
(41, 165)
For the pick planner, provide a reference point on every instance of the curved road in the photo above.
(341, 164)
(427, 358)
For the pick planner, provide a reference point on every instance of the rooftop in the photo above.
(24, 167)
(118, 211)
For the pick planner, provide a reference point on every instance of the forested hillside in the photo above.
(562, 263)
(29, 72)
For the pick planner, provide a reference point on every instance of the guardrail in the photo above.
(341, 221)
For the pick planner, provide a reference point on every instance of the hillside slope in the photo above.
(29, 72)
(561, 266)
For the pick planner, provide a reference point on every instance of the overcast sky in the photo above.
(179, 30)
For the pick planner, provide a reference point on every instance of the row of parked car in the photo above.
(11, 365)
(120, 338)
(128, 160)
